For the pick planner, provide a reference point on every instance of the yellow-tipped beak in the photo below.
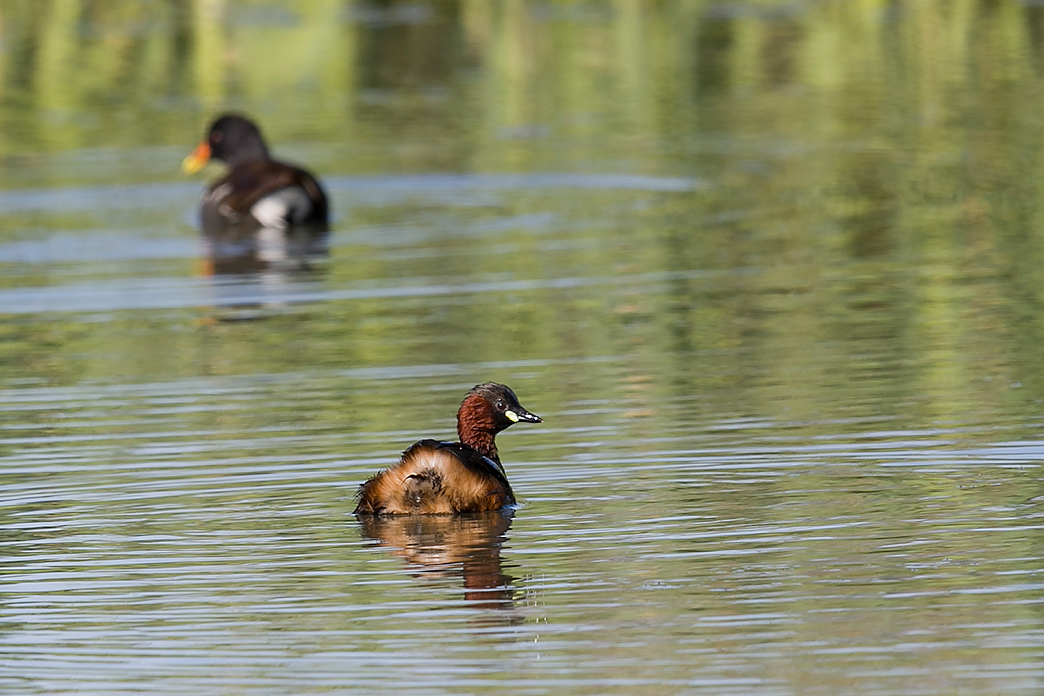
(199, 157)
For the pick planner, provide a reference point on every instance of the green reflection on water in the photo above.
(870, 235)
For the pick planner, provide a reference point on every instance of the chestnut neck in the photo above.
(476, 427)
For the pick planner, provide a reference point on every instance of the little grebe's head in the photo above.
(232, 139)
(490, 408)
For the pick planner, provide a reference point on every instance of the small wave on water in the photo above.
(369, 190)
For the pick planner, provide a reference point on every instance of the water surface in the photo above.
(770, 272)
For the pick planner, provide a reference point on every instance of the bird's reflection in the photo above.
(249, 248)
(253, 270)
(466, 546)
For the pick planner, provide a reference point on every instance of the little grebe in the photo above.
(258, 193)
(445, 477)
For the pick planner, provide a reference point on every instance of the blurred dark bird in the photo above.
(263, 210)
(446, 477)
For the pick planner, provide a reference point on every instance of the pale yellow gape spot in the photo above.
(511, 416)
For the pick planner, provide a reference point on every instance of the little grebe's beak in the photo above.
(522, 414)
(199, 157)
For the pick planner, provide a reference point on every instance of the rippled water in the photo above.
(770, 272)
(194, 534)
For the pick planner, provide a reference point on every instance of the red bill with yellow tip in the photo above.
(199, 157)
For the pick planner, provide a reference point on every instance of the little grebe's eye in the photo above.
(499, 405)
